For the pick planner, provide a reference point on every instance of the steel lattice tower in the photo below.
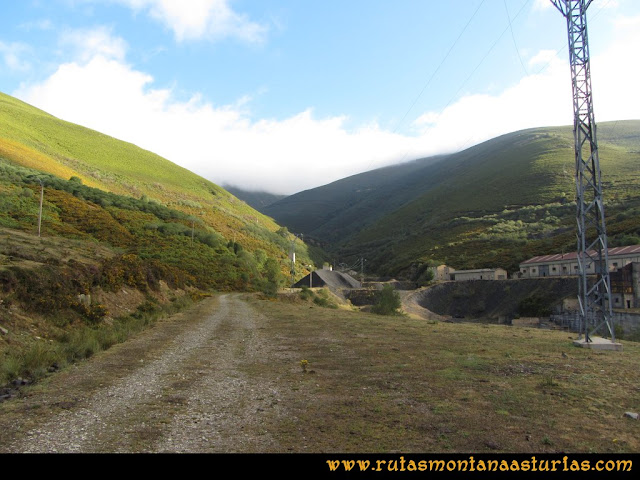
(594, 299)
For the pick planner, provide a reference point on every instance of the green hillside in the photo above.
(125, 236)
(494, 204)
(33, 139)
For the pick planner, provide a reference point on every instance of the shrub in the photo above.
(323, 300)
(534, 306)
(388, 302)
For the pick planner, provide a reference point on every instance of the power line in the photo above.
(438, 67)
(513, 37)
(482, 60)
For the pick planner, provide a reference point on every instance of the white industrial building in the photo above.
(564, 264)
(446, 273)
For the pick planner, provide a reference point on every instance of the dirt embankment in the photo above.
(483, 299)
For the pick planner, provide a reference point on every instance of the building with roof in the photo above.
(479, 274)
(625, 286)
(442, 273)
(558, 265)
(328, 278)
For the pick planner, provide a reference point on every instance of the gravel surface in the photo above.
(171, 389)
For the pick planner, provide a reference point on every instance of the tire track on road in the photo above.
(115, 415)
(224, 411)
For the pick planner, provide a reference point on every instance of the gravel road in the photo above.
(182, 386)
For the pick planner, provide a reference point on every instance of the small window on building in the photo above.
(575, 268)
(553, 269)
(615, 264)
(617, 300)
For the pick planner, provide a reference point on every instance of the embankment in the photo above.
(484, 299)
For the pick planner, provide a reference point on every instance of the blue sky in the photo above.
(285, 95)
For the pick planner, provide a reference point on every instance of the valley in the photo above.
(146, 309)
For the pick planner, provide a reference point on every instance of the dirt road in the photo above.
(181, 386)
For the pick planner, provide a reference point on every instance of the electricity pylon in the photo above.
(595, 308)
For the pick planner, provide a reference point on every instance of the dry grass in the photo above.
(385, 384)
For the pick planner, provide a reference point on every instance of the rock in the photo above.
(54, 367)
(4, 331)
(18, 382)
(633, 415)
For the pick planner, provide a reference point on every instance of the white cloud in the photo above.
(542, 4)
(42, 24)
(538, 100)
(227, 145)
(13, 54)
(542, 99)
(220, 143)
(87, 43)
(197, 19)
(615, 71)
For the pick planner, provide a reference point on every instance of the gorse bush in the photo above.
(159, 243)
(84, 341)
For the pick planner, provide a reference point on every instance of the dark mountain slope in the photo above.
(493, 204)
(339, 209)
(255, 199)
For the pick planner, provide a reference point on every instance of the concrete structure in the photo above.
(625, 287)
(598, 343)
(442, 273)
(480, 274)
(567, 264)
(328, 278)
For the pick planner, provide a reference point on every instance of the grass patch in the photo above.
(397, 384)
(33, 362)
(321, 297)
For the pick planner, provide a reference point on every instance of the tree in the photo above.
(388, 302)
(273, 277)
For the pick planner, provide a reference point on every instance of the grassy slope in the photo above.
(32, 138)
(341, 208)
(133, 222)
(494, 204)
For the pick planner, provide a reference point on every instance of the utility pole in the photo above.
(40, 209)
(594, 300)
(293, 261)
(293, 257)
